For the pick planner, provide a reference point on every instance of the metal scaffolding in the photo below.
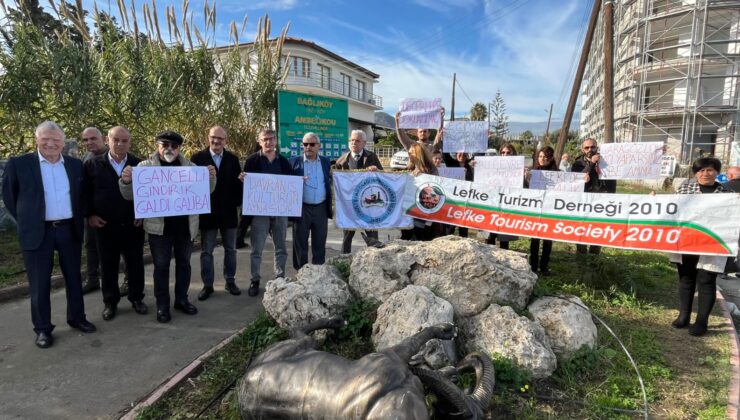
(675, 75)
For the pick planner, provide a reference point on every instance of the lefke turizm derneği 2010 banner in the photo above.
(706, 224)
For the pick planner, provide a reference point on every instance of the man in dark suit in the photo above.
(223, 216)
(43, 191)
(316, 210)
(112, 216)
(95, 145)
(357, 158)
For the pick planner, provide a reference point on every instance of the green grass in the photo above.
(632, 292)
(12, 271)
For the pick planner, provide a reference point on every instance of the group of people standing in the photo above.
(57, 201)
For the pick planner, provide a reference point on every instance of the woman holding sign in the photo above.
(698, 271)
(545, 162)
(507, 149)
(420, 162)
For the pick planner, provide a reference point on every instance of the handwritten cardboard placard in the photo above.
(556, 181)
(630, 160)
(668, 166)
(161, 191)
(420, 113)
(500, 171)
(454, 173)
(465, 136)
(272, 195)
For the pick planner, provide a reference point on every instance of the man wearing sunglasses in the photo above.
(171, 233)
(316, 210)
(588, 163)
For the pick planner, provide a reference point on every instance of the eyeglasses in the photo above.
(589, 147)
(168, 145)
(309, 144)
(86, 139)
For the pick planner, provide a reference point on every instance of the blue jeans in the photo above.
(261, 227)
(208, 242)
(161, 247)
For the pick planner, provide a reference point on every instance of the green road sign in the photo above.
(300, 113)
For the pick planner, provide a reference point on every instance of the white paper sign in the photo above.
(556, 181)
(454, 173)
(161, 191)
(272, 195)
(500, 171)
(465, 136)
(630, 160)
(420, 113)
(735, 154)
(667, 165)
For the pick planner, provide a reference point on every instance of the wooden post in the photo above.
(452, 108)
(608, 19)
(577, 82)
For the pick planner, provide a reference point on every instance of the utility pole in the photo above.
(608, 19)
(452, 108)
(547, 129)
(577, 82)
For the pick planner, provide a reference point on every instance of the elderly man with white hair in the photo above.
(316, 210)
(43, 190)
(357, 158)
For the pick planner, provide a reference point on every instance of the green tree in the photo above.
(499, 121)
(526, 135)
(478, 112)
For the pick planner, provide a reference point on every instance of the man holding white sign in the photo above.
(267, 161)
(169, 228)
(421, 132)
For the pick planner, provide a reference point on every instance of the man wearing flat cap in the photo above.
(171, 233)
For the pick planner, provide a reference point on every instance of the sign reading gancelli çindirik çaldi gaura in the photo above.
(707, 224)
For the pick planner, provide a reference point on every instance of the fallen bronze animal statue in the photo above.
(293, 380)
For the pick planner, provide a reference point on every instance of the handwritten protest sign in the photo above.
(735, 154)
(420, 113)
(272, 195)
(556, 181)
(670, 223)
(630, 160)
(454, 173)
(667, 165)
(500, 171)
(161, 191)
(465, 136)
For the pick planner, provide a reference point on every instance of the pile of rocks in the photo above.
(481, 288)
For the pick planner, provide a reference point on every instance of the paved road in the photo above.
(99, 375)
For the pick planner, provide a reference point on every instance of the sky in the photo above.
(527, 49)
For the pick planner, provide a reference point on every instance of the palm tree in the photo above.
(478, 112)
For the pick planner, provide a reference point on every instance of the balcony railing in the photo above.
(337, 86)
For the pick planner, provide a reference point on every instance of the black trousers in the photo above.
(348, 235)
(161, 247)
(114, 240)
(314, 221)
(691, 279)
(39, 263)
(542, 263)
(591, 249)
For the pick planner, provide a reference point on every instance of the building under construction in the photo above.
(676, 68)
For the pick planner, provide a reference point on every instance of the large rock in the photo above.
(467, 273)
(500, 330)
(567, 325)
(406, 313)
(318, 291)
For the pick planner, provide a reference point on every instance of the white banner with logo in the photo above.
(370, 200)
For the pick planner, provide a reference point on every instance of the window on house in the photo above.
(346, 84)
(301, 67)
(361, 95)
(325, 76)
